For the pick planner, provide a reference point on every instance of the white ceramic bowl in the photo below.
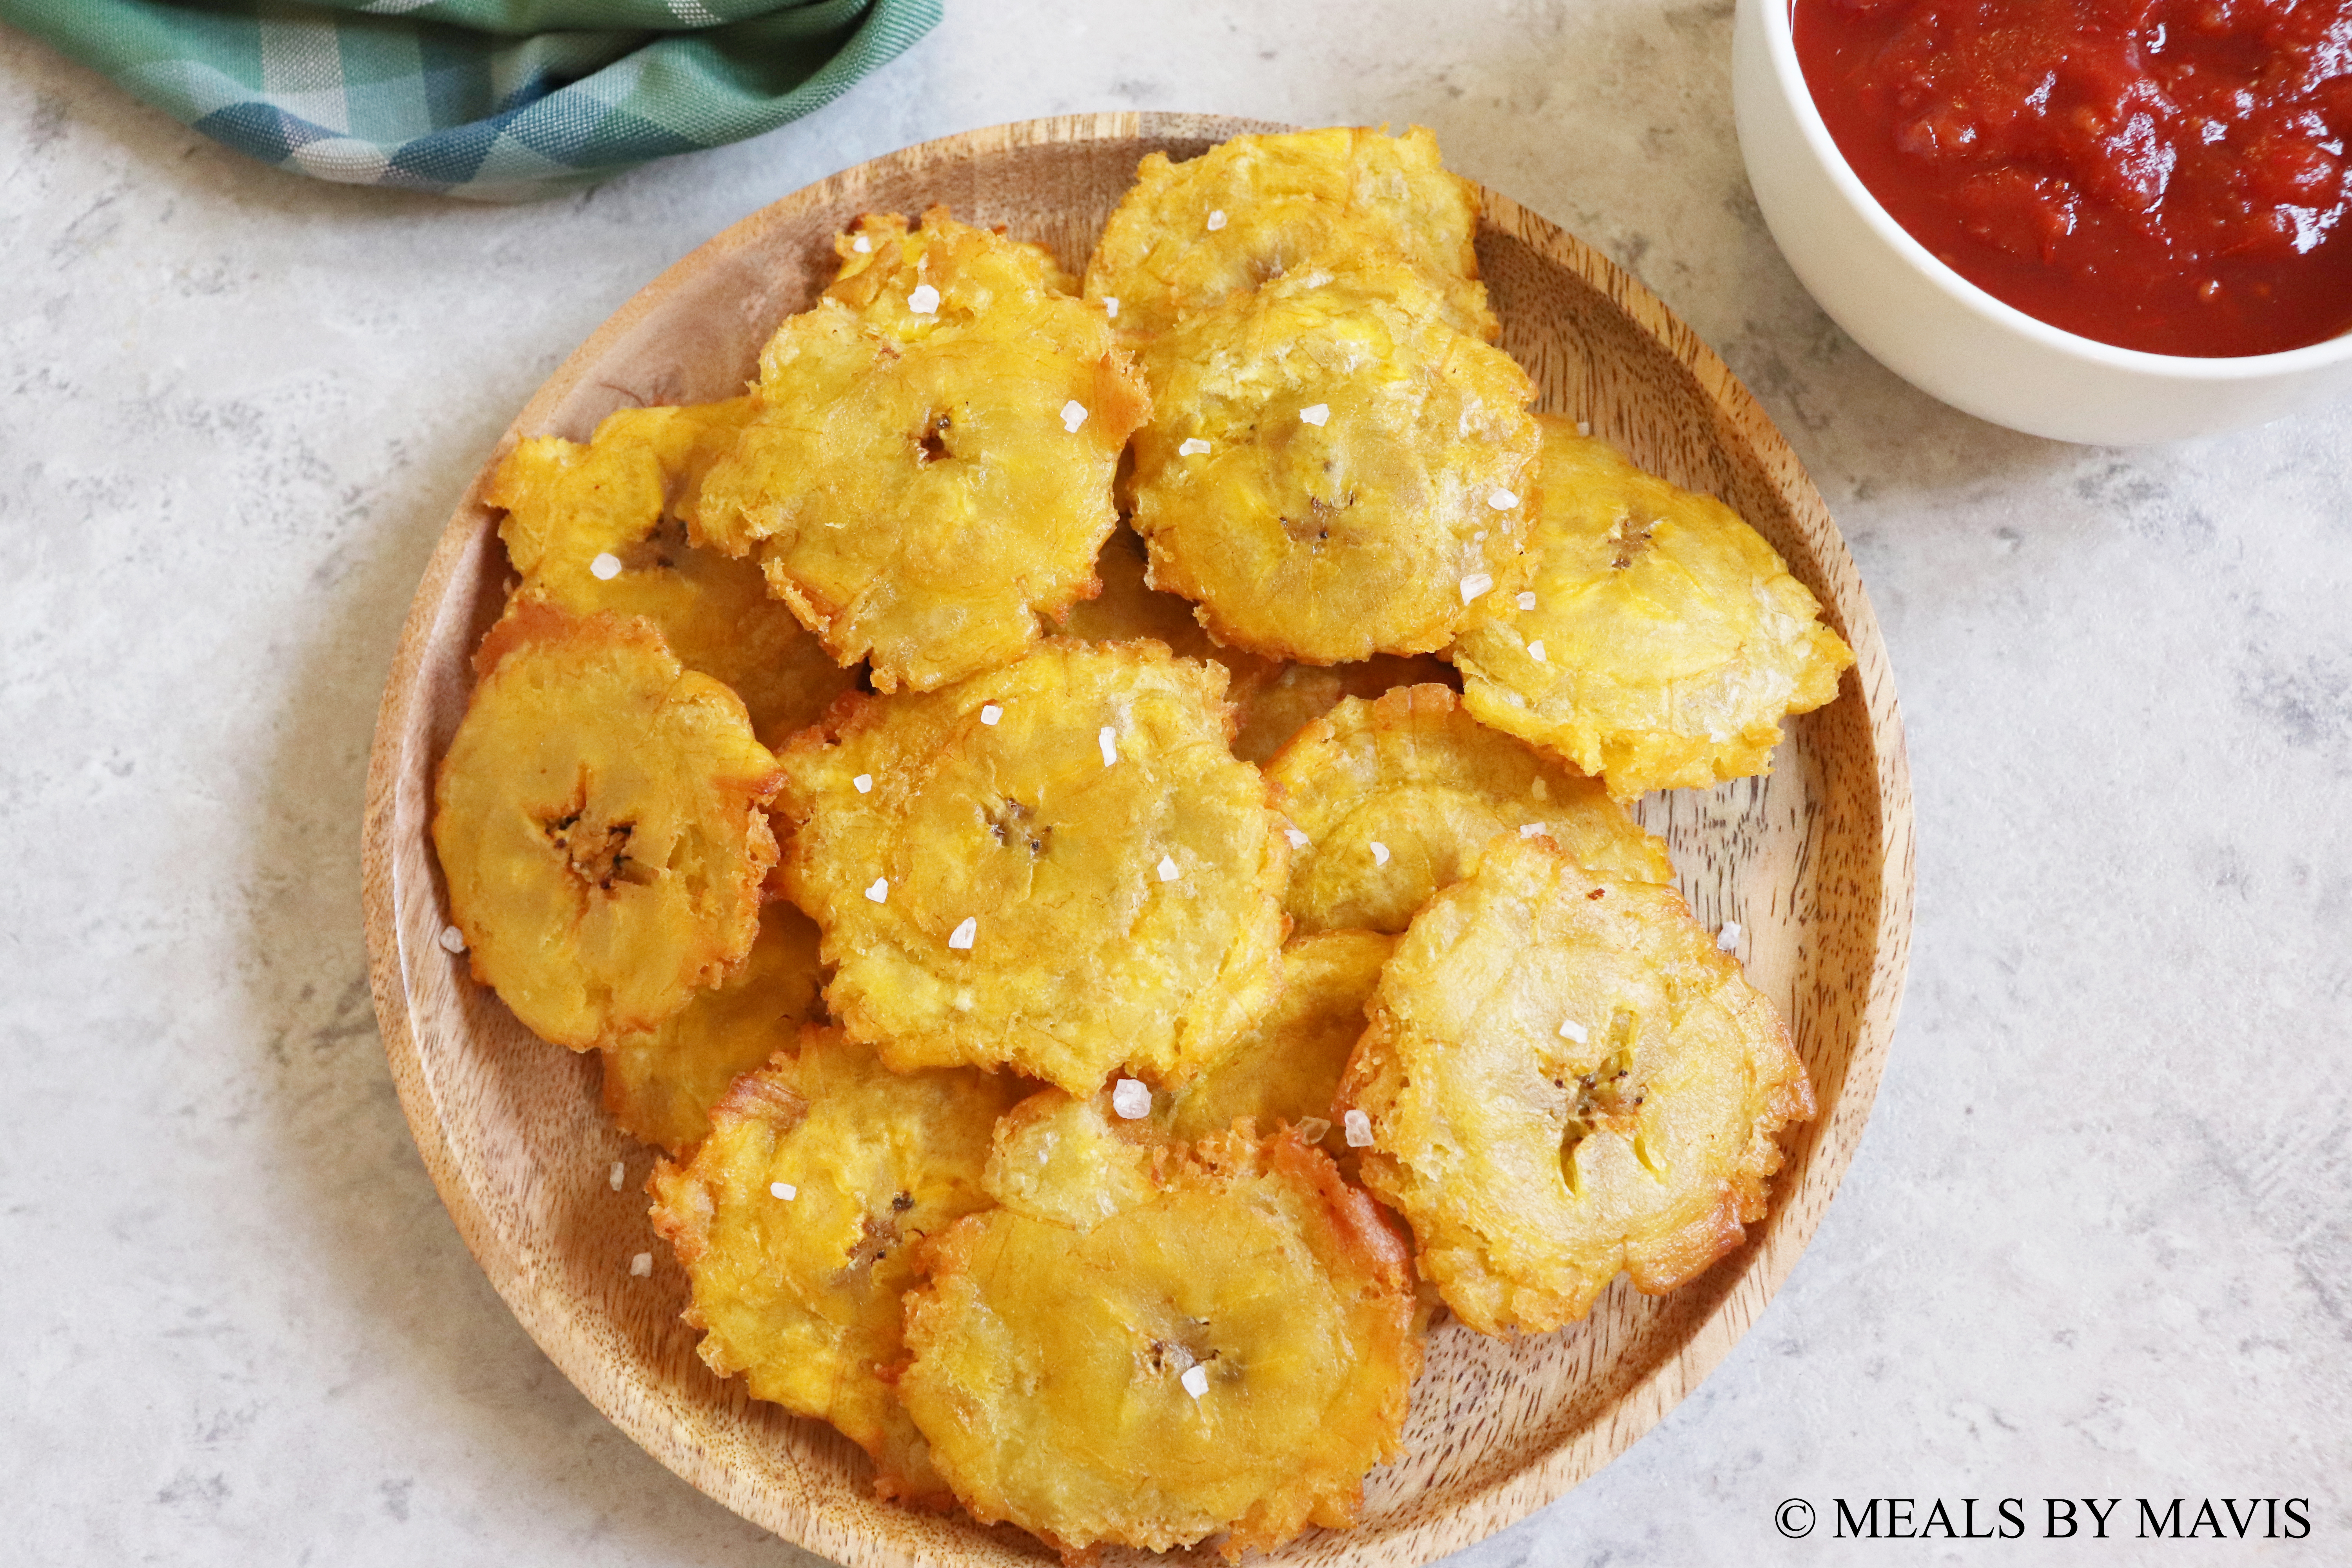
(1950, 338)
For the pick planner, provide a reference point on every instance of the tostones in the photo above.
(1274, 710)
(1128, 607)
(599, 528)
(798, 1221)
(1285, 1070)
(659, 1085)
(1190, 236)
(1564, 1077)
(928, 463)
(1660, 642)
(1397, 797)
(1229, 1347)
(1055, 867)
(1331, 471)
(599, 817)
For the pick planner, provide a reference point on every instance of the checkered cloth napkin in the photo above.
(493, 98)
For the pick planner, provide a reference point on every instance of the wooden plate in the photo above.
(1813, 862)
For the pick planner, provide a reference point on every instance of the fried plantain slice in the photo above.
(1661, 640)
(1331, 471)
(1274, 710)
(929, 464)
(600, 527)
(1055, 867)
(1128, 607)
(1565, 1078)
(1228, 1346)
(1285, 1070)
(659, 1085)
(1397, 797)
(798, 1220)
(1188, 235)
(599, 817)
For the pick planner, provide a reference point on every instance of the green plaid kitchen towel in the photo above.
(494, 99)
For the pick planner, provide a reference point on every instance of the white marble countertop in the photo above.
(2097, 1241)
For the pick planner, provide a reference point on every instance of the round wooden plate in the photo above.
(1814, 862)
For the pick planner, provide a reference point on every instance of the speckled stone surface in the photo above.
(2097, 1242)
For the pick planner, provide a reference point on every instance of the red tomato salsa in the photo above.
(2164, 174)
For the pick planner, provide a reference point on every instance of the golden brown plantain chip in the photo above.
(1564, 1078)
(661, 1084)
(1274, 710)
(1285, 1071)
(1331, 471)
(1188, 235)
(1396, 798)
(1229, 1345)
(1661, 641)
(1055, 867)
(797, 1286)
(599, 528)
(929, 466)
(599, 817)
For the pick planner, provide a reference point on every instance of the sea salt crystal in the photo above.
(1727, 939)
(1529, 829)
(1110, 741)
(605, 567)
(865, 782)
(1297, 839)
(1360, 1129)
(1195, 1381)
(1216, 221)
(1476, 583)
(1191, 447)
(961, 938)
(1167, 872)
(861, 245)
(452, 940)
(1536, 651)
(1110, 306)
(1569, 1029)
(1131, 1098)
(1584, 427)
(1527, 601)
(783, 1190)
(990, 713)
(617, 1175)
(924, 301)
(1380, 853)
(1317, 414)
(642, 1265)
(1314, 1129)
(1501, 500)
(1074, 413)
(880, 890)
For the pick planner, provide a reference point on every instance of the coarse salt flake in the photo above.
(617, 1175)
(1584, 427)
(1380, 853)
(1216, 220)
(1131, 1098)
(1319, 414)
(1529, 829)
(1314, 1129)
(1360, 1129)
(1536, 651)
(642, 1265)
(1727, 939)
(1476, 583)
(605, 567)
(1191, 447)
(1569, 1029)
(865, 782)
(880, 890)
(861, 244)
(990, 713)
(961, 938)
(1167, 872)
(1527, 601)
(1108, 739)
(1074, 413)
(783, 1190)
(924, 300)
(1195, 1381)
(1297, 839)
(1110, 306)
(1501, 500)
(452, 940)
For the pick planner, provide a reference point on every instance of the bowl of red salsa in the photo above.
(2095, 220)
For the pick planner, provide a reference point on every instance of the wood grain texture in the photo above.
(1813, 861)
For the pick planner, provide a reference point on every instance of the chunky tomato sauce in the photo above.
(2165, 174)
